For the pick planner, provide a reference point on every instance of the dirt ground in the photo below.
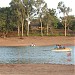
(37, 69)
(38, 41)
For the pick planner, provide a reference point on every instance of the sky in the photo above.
(68, 3)
(50, 3)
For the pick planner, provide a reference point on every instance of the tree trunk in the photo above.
(28, 30)
(47, 29)
(68, 28)
(22, 26)
(18, 30)
(65, 23)
(4, 33)
(28, 26)
(65, 27)
(41, 27)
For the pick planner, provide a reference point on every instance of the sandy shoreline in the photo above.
(38, 41)
(37, 69)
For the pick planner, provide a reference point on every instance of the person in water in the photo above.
(32, 45)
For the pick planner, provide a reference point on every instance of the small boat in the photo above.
(62, 49)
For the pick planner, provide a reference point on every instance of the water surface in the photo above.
(37, 54)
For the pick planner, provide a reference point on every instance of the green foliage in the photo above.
(20, 12)
(60, 26)
(41, 8)
(5, 16)
(50, 18)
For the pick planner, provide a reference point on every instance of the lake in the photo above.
(37, 54)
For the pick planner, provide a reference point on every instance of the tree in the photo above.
(47, 21)
(19, 14)
(41, 8)
(65, 10)
(28, 5)
(50, 20)
(70, 22)
(5, 24)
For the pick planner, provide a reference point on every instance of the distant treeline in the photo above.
(28, 17)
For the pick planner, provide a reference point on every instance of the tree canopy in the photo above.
(23, 13)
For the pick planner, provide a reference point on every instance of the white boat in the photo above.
(62, 49)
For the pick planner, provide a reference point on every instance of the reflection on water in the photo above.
(37, 54)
